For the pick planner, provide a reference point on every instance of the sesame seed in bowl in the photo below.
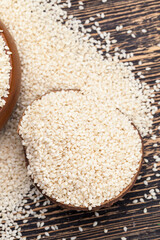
(81, 152)
(10, 74)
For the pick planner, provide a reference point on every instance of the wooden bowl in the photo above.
(15, 77)
(107, 203)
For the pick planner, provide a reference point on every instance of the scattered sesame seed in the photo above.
(92, 19)
(145, 183)
(95, 224)
(38, 224)
(129, 31)
(87, 21)
(80, 229)
(133, 35)
(25, 221)
(135, 201)
(73, 238)
(148, 68)
(145, 210)
(56, 227)
(41, 224)
(96, 214)
(154, 137)
(47, 234)
(47, 228)
(81, 7)
(146, 160)
(37, 204)
(144, 30)
(105, 230)
(139, 177)
(114, 41)
(102, 15)
(125, 229)
(155, 145)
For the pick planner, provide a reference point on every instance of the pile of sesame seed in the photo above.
(81, 151)
(5, 68)
(44, 38)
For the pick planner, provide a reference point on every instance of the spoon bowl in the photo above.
(106, 203)
(15, 76)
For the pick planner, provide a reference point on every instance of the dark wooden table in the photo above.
(135, 15)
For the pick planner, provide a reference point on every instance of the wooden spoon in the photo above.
(15, 76)
(107, 203)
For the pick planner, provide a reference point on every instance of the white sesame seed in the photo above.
(81, 7)
(95, 224)
(47, 234)
(114, 41)
(125, 229)
(129, 31)
(73, 238)
(25, 221)
(148, 68)
(46, 228)
(144, 30)
(155, 145)
(135, 201)
(38, 224)
(154, 137)
(80, 229)
(105, 230)
(145, 210)
(96, 214)
(146, 160)
(145, 183)
(139, 177)
(133, 35)
(92, 19)
(102, 15)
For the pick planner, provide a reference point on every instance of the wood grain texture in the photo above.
(134, 15)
